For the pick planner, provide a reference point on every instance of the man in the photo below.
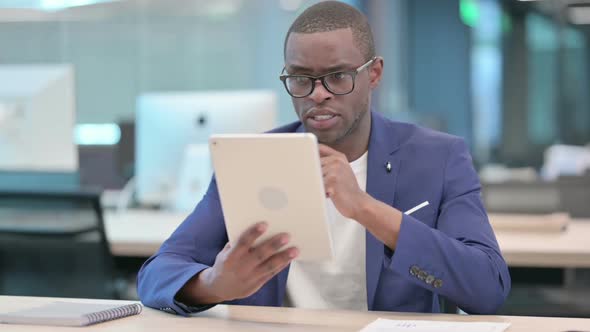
(374, 169)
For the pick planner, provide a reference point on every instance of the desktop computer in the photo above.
(172, 170)
(37, 116)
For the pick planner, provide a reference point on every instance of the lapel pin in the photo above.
(388, 167)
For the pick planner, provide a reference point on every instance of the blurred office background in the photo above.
(511, 77)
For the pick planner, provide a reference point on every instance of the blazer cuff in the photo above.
(176, 306)
(191, 309)
(411, 258)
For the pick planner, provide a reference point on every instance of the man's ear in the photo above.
(375, 72)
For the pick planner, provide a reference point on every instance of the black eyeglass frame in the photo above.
(322, 79)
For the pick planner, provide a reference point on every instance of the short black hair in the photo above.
(334, 15)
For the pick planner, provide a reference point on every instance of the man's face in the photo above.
(332, 118)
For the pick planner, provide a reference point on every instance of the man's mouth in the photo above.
(323, 117)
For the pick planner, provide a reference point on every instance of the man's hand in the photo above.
(340, 182)
(240, 270)
(382, 220)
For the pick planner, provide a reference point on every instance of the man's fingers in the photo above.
(276, 263)
(329, 177)
(268, 272)
(329, 169)
(329, 160)
(264, 279)
(327, 151)
(247, 238)
(265, 250)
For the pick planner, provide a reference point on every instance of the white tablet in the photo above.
(275, 178)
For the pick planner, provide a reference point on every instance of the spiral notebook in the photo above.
(70, 314)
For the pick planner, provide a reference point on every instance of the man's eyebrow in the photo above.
(302, 69)
(296, 68)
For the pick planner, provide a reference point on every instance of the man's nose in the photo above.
(320, 93)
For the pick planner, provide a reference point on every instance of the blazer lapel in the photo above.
(380, 185)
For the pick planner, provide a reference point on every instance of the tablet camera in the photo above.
(273, 198)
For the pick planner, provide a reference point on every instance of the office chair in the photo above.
(54, 244)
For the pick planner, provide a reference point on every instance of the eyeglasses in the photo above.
(337, 83)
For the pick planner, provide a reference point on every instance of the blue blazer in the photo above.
(444, 249)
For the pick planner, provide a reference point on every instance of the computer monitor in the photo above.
(37, 116)
(168, 124)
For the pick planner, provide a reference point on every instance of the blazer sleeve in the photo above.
(189, 250)
(459, 258)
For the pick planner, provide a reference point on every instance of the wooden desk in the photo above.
(568, 249)
(140, 233)
(242, 318)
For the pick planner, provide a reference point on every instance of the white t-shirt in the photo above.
(340, 283)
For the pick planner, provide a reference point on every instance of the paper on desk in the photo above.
(388, 325)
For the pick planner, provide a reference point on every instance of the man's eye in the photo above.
(300, 80)
(338, 76)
